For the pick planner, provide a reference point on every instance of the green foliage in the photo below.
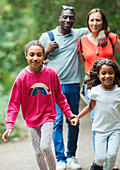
(22, 21)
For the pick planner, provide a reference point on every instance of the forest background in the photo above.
(23, 21)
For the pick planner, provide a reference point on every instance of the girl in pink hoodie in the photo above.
(36, 89)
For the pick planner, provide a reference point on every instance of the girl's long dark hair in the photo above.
(92, 78)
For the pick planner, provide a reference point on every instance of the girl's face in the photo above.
(95, 22)
(107, 77)
(35, 58)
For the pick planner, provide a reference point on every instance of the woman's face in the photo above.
(95, 22)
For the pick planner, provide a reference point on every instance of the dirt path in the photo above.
(20, 155)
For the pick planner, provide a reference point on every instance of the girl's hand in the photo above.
(74, 121)
(71, 117)
(6, 134)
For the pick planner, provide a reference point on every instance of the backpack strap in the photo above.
(50, 33)
(81, 49)
(111, 42)
(52, 38)
(81, 45)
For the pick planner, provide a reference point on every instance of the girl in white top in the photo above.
(104, 82)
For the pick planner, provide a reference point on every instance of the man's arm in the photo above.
(101, 40)
(117, 45)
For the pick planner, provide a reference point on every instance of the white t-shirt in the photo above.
(107, 113)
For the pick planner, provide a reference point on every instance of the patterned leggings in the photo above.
(41, 138)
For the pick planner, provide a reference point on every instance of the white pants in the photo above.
(106, 148)
(41, 138)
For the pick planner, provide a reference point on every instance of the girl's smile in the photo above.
(107, 77)
(35, 58)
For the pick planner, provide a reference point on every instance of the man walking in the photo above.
(63, 57)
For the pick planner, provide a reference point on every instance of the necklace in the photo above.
(94, 43)
(96, 49)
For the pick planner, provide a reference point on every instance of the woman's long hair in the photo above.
(104, 19)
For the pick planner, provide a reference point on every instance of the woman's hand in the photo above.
(101, 39)
(6, 134)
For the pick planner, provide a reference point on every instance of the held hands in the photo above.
(74, 120)
(6, 134)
